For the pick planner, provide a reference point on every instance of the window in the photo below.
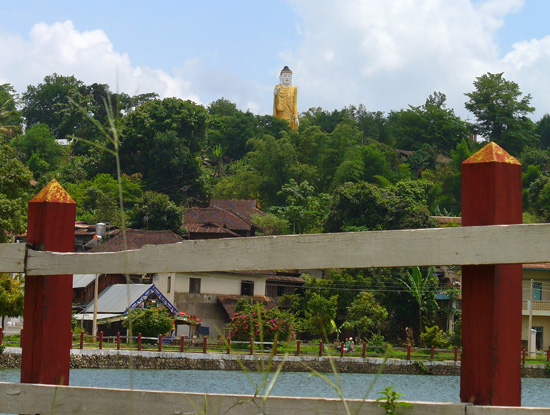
(247, 288)
(169, 285)
(194, 285)
(537, 291)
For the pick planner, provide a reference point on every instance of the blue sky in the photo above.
(385, 55)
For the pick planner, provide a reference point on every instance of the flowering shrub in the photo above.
(253, 321)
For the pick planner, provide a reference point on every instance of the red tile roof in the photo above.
(229, 301)
(220, 217)
(246, 208)
(136, 238)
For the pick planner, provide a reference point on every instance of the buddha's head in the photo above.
(286, 76)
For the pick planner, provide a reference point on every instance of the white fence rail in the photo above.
(497, 244)
(501, 244)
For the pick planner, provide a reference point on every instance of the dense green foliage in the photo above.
(11, 296)
(149, 322)
(349, 169)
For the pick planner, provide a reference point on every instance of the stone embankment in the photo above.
(124, 359)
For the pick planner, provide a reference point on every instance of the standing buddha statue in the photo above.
(285, 98)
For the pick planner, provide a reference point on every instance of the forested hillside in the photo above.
(350, 169)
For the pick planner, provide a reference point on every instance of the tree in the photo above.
(543, 130)
(230, 128)
(162, 140)
(10, 117)
(15, 192)
(432, 124)
(11, 296)
(422, 289)
(320, 313)
(97, 200)
(366, 315)
(48, 103)
(39, 149)
(303, 211)
(501, 111)
(155, 211)
(149, 322)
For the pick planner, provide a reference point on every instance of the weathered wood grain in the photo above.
(12, 257)
(499, 244)
(61, 400)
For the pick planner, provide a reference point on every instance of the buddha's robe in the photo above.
(285, 104)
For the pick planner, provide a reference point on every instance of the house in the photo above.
(536, 287)
(116, 300)
(222, 219)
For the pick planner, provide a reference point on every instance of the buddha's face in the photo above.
(286, 78)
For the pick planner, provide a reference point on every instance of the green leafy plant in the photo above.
(390, 400)
(150, 323)
(435, 337)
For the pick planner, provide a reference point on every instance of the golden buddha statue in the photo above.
(285, 98)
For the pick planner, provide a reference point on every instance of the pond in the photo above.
(355, 385)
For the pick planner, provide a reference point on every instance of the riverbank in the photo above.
(125, 359)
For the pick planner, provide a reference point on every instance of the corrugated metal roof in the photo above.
(82, 280)
(114, 299)
(545, 266)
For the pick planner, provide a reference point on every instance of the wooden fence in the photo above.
(458, 246)
(491, 196)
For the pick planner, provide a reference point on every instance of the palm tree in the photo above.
(422, 289)
(7, 114)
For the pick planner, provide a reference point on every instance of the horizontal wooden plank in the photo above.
(61, 400)
(12, 258)
(501, 244)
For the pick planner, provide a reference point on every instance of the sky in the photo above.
(385, 55)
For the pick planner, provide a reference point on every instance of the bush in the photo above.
(253, 321)
(150, 323)
(435, 337)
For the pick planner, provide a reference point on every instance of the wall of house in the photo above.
(537, 276)
(541, 311)
(165, 282)
(219, 283)
(205, 306)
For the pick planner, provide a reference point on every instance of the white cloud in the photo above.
(89, 55)
(390, 54)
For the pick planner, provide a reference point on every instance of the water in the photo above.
(355, 385)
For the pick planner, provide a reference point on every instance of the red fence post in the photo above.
(320, 348)
(1, 335)
(118, 340)
(160, 342)
(47, 341)
(100, 340)
(182, 344)
(364, 353)
(298, 343)
(229, 345)
(491, 294)
(275, 347)
(81, 340)
(204, 344)
(341, 349)
(139, 342)
(547, 352)
(408, 352)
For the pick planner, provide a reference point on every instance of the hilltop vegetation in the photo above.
(351, 169)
